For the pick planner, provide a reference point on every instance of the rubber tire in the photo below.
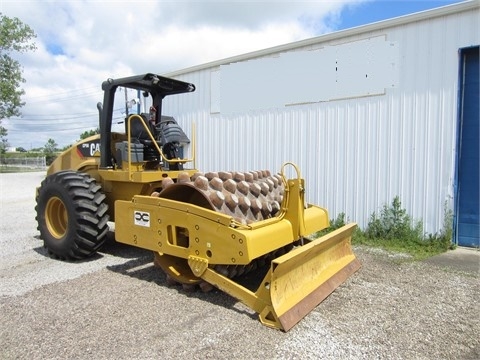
(72, 215)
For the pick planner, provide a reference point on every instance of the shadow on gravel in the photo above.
(42, 250)
(121, 250)
(139, 265)
(110, 247)
(142, 268)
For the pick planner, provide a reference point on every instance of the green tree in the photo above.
(89, 133)
(3, 140)
(50, 151)
(15, 36)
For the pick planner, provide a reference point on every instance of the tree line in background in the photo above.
(15, 37)
(50, 150)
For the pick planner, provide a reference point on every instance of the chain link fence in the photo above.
(23, 163)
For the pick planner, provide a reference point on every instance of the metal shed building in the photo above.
(383, 110)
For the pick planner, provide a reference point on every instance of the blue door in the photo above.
(467, 205)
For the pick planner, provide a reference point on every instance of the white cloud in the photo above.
(82, 43)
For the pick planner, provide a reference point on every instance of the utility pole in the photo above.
(139, 101)
(126, 103)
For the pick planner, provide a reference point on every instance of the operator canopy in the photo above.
(152, 83)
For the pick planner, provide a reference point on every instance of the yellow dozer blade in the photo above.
(297, 281)
(194, 243)
(304, 277)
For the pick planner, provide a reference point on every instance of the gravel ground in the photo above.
(118, 306)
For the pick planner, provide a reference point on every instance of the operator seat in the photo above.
(137, 130)
(139, 135)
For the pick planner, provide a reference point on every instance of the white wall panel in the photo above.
(355, 154)
(353, 69)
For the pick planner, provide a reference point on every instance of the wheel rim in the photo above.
(56, 217)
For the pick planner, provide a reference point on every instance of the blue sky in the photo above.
(374, 11)
(81, 43)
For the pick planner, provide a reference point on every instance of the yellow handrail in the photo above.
(164, 158)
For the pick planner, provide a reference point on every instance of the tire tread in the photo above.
(90, 214)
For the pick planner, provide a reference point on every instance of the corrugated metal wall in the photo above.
(355, 154)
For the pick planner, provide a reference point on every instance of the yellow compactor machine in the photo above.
(206, 229)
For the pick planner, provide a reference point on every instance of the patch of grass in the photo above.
(417, 251)
(393, 230)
